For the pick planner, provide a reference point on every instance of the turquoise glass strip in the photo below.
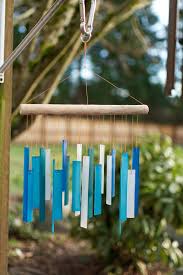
(57, 196)
(76, 186)
(30, 197)
(97, 192)
(25, 191)
(123, 188)
(36, 181)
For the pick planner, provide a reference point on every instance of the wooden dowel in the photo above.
(75, 110)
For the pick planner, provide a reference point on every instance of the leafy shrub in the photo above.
(145, 239)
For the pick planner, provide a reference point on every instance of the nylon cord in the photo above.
(86, 83)
(113, 85)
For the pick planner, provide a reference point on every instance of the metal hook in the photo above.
(87, 27)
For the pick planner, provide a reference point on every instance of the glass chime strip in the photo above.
(48, 174)
(123, 187)
(136, 167)
(36, 181)
(30, 197)
(76, 186)
(66, 197)
(90, 191)
(102, 162)
(42, 213)
(84, 192)
(109, 181)
(131, 194)
(25, 193)
(57, 196)
(97, 193)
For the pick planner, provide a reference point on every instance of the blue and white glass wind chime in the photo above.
(91, 181)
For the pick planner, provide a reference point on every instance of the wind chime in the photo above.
(2, 36)
(90, 179)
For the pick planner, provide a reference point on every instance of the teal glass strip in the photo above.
(123, 188)
(57, 195)
(25, 191)
(76, 186)
(36, 181)
(30, 197)
(42, 205)
(136, 167)
(97, 193)
(66, 197)
(90, 188)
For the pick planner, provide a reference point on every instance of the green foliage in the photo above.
(144, 239)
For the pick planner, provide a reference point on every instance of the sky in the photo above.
(161, 8)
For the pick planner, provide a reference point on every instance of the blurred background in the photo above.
(128, 48)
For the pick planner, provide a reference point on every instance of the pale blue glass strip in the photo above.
(123, 188)
(91, 176)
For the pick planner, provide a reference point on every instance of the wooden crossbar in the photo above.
(79, 110)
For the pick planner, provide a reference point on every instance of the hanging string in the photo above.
(37, 141)
(122, 139)
(27, 122)
(113, 85)
(132, 141)
(125, 134)
(32, 137)
(86, 91)
(43, 92)
(114, 130)
(111, 136)
(101, 77)
(46, 132)
(136, 142)
(85, 68)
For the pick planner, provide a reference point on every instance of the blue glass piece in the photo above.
(97, 193)
(113, 171)
(76, 186)
(25, 192)
(136, 167)
(42, 205)
(57, 195)
(30, 197)
(36, 181)
(90, 188)
(123, 188)
(66, 198)
(64, 164)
